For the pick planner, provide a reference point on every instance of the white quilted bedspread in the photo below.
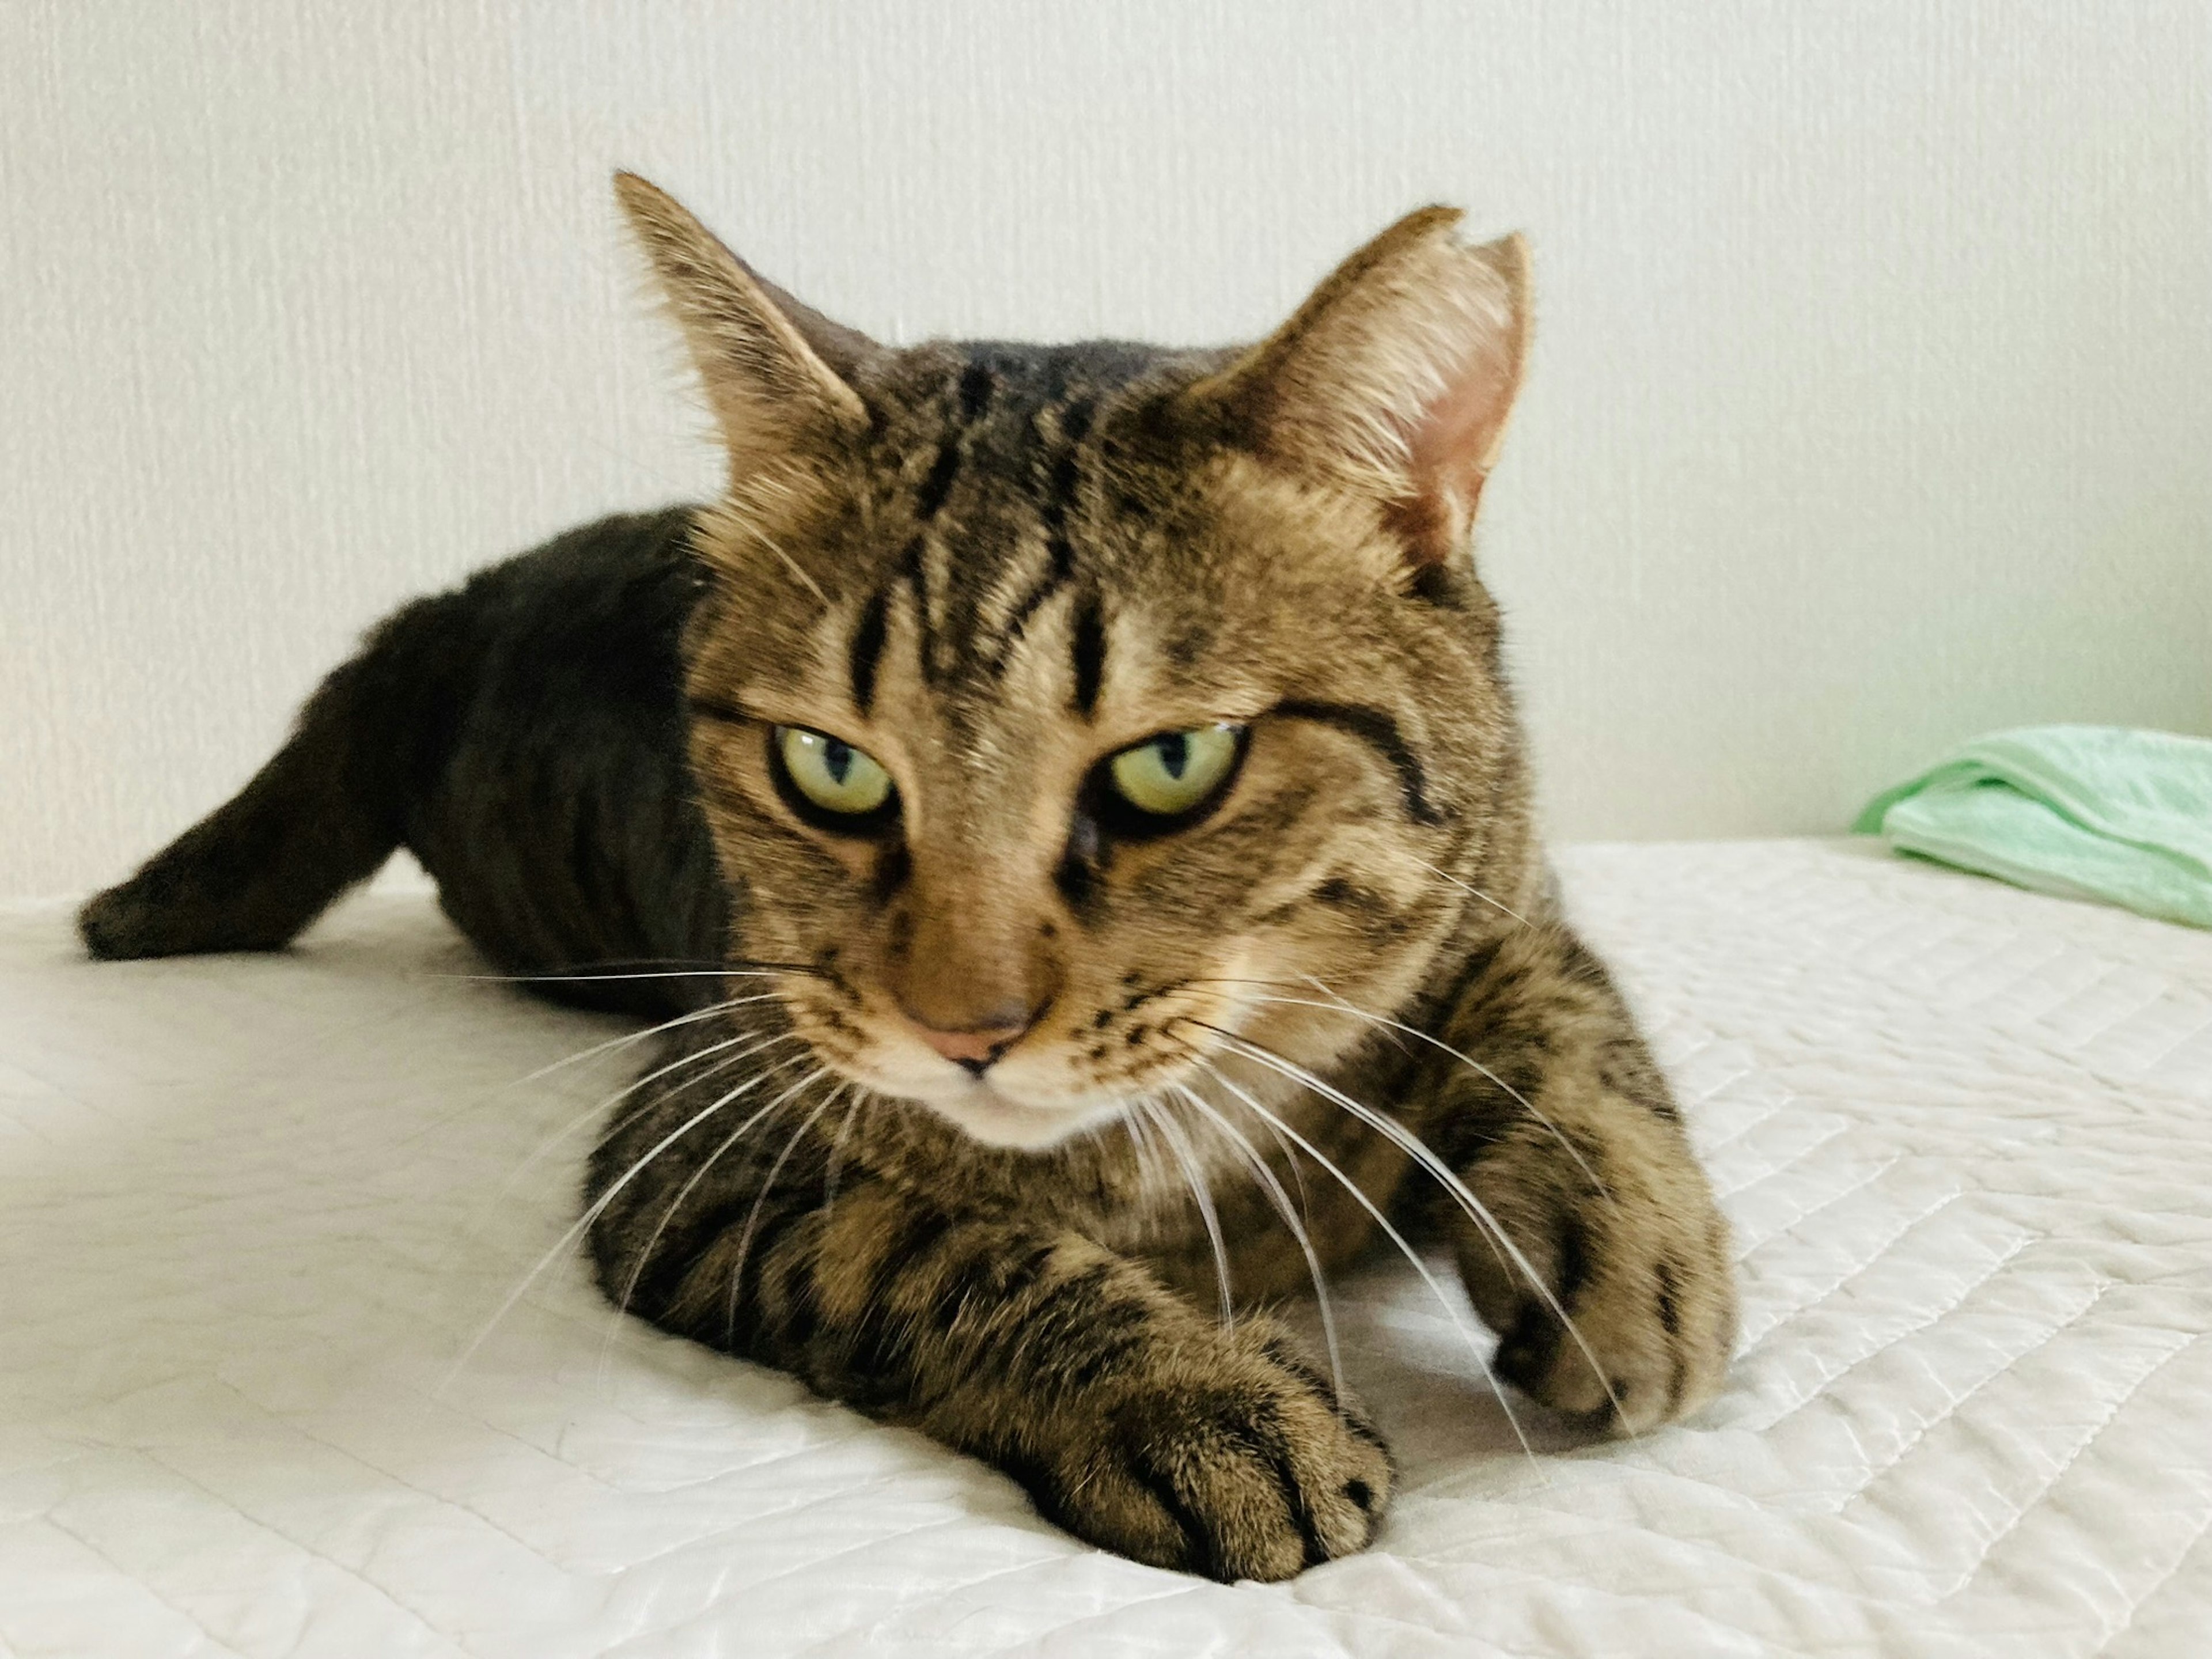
(252, 1212)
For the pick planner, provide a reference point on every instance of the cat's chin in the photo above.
(983, 1113)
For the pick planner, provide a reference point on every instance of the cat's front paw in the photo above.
(1644, 1276)
(1238, 1462)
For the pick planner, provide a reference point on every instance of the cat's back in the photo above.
(599, 608)
(553, 804)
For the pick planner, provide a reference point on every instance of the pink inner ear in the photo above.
(1451, 446)
(1395, 376)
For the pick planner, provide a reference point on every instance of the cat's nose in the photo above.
(975, 1046)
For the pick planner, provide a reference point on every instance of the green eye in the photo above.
(830, 773)
(1177, 771)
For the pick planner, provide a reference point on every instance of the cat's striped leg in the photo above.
(1612, 1286)
(1133, 1419)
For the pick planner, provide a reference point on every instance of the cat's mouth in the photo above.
(999, 1119)
(989, 1111)
(1042, 1091)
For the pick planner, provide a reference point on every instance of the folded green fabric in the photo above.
(2085, 811)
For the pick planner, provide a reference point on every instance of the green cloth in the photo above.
(2085, 811)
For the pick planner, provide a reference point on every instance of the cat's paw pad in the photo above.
(1256, 1473)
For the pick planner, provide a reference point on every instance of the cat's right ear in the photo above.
(773, 369)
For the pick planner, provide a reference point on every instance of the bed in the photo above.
(268, 1388)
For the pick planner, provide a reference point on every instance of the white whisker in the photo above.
(637, 1269)
(557, 977)
(1148, 1161)
(1418, 1150)
(1451, 1310)
(493, 1091)
(767, 1184)
(1336, 1000)
(629, 1038)
(1194, 1175)
(1525, 1104)
(576, 1231)
(789, 563)
(600, 1108)
(653, 1241)
(715, 1070)
(1298, 1229)
(1472, 892)
(837, 1148)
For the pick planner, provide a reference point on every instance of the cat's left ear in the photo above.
(1396, 378)
(773, 369)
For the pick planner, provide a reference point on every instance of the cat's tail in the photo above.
(323, 815)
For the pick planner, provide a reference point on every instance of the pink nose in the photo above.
(975, 1046)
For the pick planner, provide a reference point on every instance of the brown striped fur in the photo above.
(989, 566)
(931, 1130)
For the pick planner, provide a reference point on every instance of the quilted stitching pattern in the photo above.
(252, 1210)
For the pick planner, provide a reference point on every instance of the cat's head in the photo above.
(1074, 714)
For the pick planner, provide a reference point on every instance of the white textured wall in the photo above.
(1872, 403)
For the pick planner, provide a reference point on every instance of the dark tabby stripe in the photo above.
(1377, 730)
(1201, 1546)
(939, 484)
(1090, 652)
(1074, 421)
(977, 385)
(973, 393)
(1670, 1321)
(893, 864)
(865, 654)
(524, 735)
(1574, 1265)
(914, 571)
(1294, 1498)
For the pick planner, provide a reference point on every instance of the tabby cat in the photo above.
(1066, 806)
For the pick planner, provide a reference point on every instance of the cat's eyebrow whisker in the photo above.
(1451, 1310)
(768, 1185)
(568, 1240)
(790, 564)
(1273, 1189)
(1415, 1032)
(1422, 1154)
(1194, 1174)
(1471, 891)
